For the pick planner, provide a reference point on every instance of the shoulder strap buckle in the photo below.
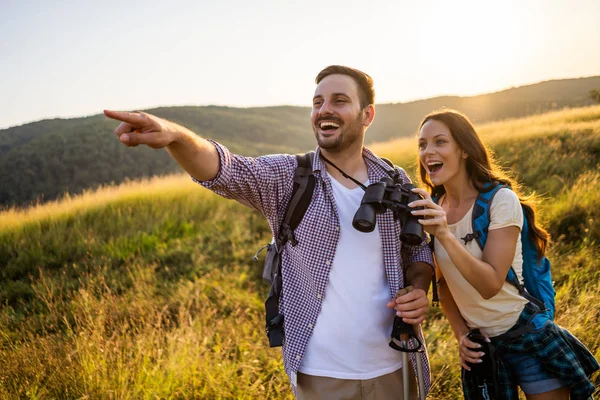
(286, 234)
(470, 236)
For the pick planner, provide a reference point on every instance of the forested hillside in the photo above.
(42, 160)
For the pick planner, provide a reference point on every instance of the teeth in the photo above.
(329, 123)
(434, 163)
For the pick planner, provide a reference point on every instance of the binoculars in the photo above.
(389, 194)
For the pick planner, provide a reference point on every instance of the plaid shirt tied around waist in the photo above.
(562, 355)
(265, 184)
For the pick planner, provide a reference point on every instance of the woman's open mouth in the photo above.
(434, 166)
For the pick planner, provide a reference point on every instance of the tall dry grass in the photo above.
(403, 151)
(146, 290)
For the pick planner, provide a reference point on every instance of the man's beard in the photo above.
(347, 137)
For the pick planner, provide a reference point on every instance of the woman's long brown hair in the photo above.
(482, 169)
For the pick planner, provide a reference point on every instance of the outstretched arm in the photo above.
(197, 156)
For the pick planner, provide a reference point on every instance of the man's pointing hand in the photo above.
(142, 128)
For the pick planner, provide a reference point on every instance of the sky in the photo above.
(75, 58)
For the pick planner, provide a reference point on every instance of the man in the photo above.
(337, 281)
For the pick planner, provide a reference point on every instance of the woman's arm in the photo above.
(487, 275)
(458, 325)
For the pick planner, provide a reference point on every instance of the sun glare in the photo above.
(472, 49)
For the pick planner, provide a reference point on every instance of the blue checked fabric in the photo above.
(265, 184)
(561, 353)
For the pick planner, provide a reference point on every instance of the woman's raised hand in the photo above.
(433, 216)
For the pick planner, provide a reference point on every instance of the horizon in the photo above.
(226, 54)
(295, 105)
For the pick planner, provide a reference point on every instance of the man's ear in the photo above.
(368, 115)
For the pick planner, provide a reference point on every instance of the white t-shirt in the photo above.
(498, 314)
(351, 336)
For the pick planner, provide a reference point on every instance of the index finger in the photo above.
(410, 296)
(427, 203)
(472, 346)
(126, 116)
(422, 192)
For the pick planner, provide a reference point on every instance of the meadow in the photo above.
(148, 289)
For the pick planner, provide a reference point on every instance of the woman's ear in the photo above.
(464, 154)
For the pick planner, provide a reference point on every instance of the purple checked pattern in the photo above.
(265, 184)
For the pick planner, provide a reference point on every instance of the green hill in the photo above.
(42, 160)
(147, 290)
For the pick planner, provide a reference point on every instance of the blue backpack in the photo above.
(537, 287)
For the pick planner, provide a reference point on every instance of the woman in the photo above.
(473, 290)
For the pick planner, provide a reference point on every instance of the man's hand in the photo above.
(142, 128)
(197, 156)
(412, 306)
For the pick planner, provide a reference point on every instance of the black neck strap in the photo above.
(345, 175)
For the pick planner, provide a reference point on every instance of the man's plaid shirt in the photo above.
(265, 184)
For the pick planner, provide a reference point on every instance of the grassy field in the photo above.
(148, 289)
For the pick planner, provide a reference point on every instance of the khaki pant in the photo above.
(386, 387)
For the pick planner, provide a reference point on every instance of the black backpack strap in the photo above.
(304, 185)
(435, 298)
(513, 280)
(393, 173)
(274, 320)
(388, 162)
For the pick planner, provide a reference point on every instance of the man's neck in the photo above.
(349, 161)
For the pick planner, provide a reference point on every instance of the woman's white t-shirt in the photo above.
(498, 314)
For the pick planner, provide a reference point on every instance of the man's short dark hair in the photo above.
(366, 91)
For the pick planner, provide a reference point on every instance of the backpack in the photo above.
(537, 286)
(304, 185)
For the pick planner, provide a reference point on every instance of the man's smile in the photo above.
(328, 126)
